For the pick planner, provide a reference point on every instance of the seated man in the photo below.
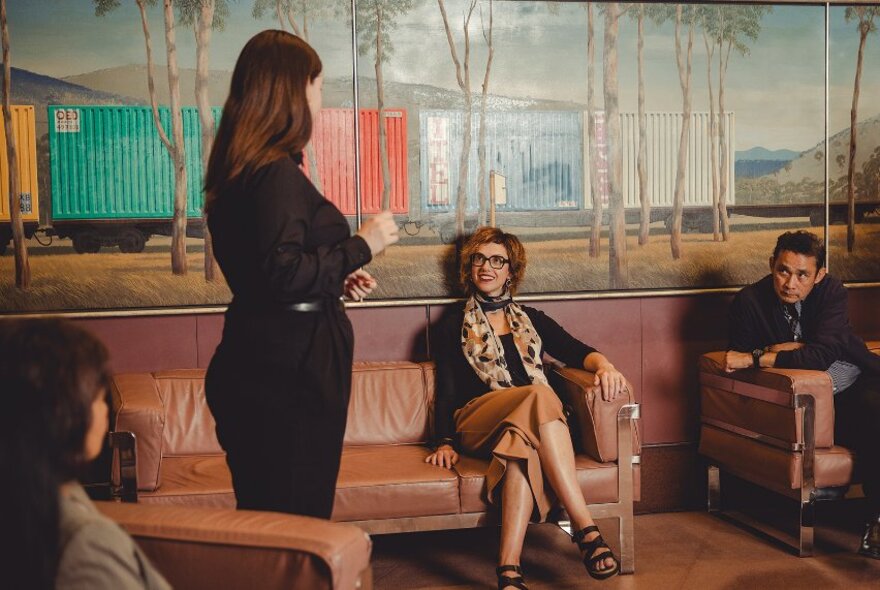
(796, 318)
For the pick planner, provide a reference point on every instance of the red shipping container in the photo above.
(333, 145)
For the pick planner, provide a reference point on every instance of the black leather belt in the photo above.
(313, 306)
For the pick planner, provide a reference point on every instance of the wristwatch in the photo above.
(756, 357)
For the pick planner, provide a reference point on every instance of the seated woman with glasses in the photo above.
(493, 401)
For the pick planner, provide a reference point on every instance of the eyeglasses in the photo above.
(495, 262)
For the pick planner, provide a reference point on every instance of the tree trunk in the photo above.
(713, 140)
(481, 145)
(463, 75)
(178, 155)
(596, 224)
(853, 133)
(22, 264)
(151, 78)
(314, 174)
(203, 31)
(641, 163)
(279, 13)
(684, 75)
(617, 263)
(380, 100)
(722, 141)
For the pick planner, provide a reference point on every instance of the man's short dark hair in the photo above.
(802, 242)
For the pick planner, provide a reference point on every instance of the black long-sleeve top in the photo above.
(457, 383)
(278, 240)
(757, 321)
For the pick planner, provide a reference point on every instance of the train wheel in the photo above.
(131, 241)
(86, 243)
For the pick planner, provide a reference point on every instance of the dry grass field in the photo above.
(63, 281)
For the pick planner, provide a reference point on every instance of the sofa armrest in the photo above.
(197, 547)
(596, 418)
(137, 408)
(768, 403)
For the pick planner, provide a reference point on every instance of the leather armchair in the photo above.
(773, 428)
(208, 548)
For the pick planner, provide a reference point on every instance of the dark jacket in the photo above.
(756, 321)
(458, 383)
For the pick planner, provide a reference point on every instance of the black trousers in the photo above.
(278, 387)
(857, 427)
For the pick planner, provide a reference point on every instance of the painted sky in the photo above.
(777, 92)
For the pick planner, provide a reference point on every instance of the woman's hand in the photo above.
(611, 381)
(358, 285)
(379, 232)
(444, 456)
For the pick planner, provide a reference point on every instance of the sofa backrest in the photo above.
(391, 403)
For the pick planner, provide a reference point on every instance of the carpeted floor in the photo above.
(688, 550)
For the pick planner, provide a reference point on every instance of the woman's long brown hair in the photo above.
(266, 116)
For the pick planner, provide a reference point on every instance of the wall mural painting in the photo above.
(632, 146)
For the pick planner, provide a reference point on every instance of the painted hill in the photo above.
(40, 90)
(810, 166)
(131, 81)
(760, 154)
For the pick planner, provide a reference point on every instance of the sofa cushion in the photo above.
(598, 481)
(389, 404)
(194, 480)
(392, 481)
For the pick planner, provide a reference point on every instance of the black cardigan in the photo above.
(457, 383)
(756, 321)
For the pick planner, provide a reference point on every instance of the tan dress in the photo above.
(504, 425)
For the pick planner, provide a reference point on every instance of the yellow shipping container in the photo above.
(26, 150)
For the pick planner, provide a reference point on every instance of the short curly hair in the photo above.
(516, 253)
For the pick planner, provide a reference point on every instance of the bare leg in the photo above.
(557, 462)
(516, 508)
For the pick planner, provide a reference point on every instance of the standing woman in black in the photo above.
(280, 380)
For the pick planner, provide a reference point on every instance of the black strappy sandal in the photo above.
(589, 548)
(510, 581)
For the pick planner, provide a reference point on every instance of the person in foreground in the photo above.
(796, 318)
(493, 401)
(279, 383)
(54, 420)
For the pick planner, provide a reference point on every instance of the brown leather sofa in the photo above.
(208, 548)
(384, 485)
(774, 428)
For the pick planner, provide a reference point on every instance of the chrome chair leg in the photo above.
(714, 488)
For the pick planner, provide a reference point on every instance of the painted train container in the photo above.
(333, 146)
(543, 156)
(113, 181)
(112, 178)
(540, 153)
(26, 154)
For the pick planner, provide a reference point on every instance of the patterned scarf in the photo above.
(484, 350)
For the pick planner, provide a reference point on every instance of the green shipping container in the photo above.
(108, 162)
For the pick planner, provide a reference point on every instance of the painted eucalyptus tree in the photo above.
(173, 145)
(22, 264)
